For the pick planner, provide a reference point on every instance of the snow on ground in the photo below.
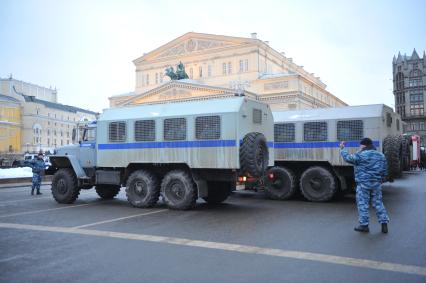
(15, 173)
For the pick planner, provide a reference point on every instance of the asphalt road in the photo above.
(246, 239)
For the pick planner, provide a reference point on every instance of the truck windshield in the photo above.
(89, 134)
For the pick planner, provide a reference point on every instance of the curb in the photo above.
(22, 182)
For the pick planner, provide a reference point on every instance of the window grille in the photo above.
(145, 130)
(284, 132)
(175, 129)
(117, 131)
(207, 128)
(315, 131)
(350, 130)
(257, 116)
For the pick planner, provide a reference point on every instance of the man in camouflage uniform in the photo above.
(38, 167)
(370, 171)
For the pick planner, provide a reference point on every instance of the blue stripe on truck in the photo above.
(318, 144)
(171, 144)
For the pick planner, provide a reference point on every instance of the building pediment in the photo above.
(191, 43)
(180, 91)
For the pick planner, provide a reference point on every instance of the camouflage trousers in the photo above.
(36, 181)
(363, 197)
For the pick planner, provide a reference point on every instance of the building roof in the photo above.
(182, 83)
(8, 98)
(197, 107)
(57, 106)
(347, 112)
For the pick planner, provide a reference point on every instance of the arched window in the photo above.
(399, 81)
(415, 78)
(415, 73)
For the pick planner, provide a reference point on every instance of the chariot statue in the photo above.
(180, 73)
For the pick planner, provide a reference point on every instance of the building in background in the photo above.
(220, 66)
(33, 120)
(10, 124)
(409, 89)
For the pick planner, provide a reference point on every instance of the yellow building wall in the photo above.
(10, 128)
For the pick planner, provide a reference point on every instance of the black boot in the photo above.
(384, 228)
(362, 228)
(32, 191)
(38, 192)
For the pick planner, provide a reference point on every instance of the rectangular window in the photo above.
(257, 116)
(229, 68)
(117, 131)
(417, 109)
(224, 68)
(241, 66)
(246, 65)
(284, 132)
(147, 79)
(209, 70)
(315, 131)
(416, 97)
(207, 128)
(397, 125)
(350, 130)
(145, 130)
(174, 129)
(156, 78)
(200, 72)
(161, 78)
(388, 120)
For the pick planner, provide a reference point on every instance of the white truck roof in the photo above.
(199, 107)
(346, 112)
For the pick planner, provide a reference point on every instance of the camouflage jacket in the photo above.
(37, 165)
(370, 166)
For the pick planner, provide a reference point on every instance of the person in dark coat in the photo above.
(370, 171)
(38, 166)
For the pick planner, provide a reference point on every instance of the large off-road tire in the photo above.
(179, 190)
(64, 186)
(392, 152)
(405, 152)
(218, 192)
(282, 186)
(107, 191)
(318, 184)
(254, 154)
(142, 189)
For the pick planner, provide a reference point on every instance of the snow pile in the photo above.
(15, 173)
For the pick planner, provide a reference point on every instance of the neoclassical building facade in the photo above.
(32, 120)
(220, 65)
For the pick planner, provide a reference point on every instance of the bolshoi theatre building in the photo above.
(220, 66)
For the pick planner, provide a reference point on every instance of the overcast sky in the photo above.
(85, 48)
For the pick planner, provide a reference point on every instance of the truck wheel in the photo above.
(392, 152)
(64, 186)
(107, 191)
(283, 186)
(218, 192)
(318, 184)
(254, 154)
(179, 190)
(142, 189)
